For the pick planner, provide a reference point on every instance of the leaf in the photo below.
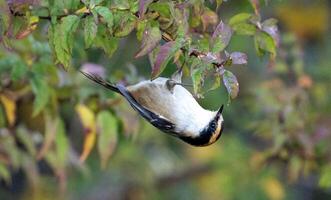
(208, 17)
(95, 2)
(63, 38)
(140, 28)
(216, 84)
(10, 109)
(325, 177)
(197, 78)
(107, 43)
(241, 24)
(238, 58)
(244, 29)
(273, 188)
(264, 43)
(26, 139)
(221, 37)
(231, 84)
(19, 69)
(41, 92)
(270, 27)
(106, 14)
(5, 19)
(120, 4)
(61, 144)
(151, 38)
(107, 140)
(88, 121)
(239, 18)
(5, 173)
(143, 4)
(163, 8)
(124, 23)
(167, 51)
(27, 29)
(90, 30)
(51, 126)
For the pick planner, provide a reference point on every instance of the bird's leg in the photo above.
(171, 85)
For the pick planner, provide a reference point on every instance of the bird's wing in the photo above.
(156, 120)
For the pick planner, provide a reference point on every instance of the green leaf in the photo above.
(244, 29)
(5, 173)
(4, 19)
(151, 38)
(95, 2)
(41, 92)
(19, 69)
(106, 42)
(239, 18)
(167, 51)
(120, 4)
(106, 14)
(2, 117)
(90, 31)
(231, 84)
(325, 178)
(107, 128)
(140, 28)
(61, 143)
(264, 43)
(163, 8)
(63, 39)
(198, 75)
(124, 23)
(26, 139)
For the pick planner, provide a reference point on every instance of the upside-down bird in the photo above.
(171, 108)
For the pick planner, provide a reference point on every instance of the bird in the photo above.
(170, 107)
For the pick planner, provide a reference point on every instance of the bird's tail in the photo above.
(97, 79)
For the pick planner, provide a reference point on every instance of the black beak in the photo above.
(219, 112)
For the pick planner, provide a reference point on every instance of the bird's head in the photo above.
(210, 133)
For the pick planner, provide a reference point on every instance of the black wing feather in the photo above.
(155, 119)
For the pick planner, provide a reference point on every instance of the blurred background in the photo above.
(276, 143)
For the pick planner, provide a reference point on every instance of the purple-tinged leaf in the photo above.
(231, 84)
(167, 51)
(151, 38)
(270, 26)
(209, 58)
(221, 37)
(143, 4)
(238, 58)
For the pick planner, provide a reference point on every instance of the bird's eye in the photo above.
(213, 125)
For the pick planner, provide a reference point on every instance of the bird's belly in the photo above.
(179, 107)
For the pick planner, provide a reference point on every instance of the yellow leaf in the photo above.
(273, 188)
(87, 118)
(10, 108)
(82, 10)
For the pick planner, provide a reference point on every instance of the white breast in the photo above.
(179, 107)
